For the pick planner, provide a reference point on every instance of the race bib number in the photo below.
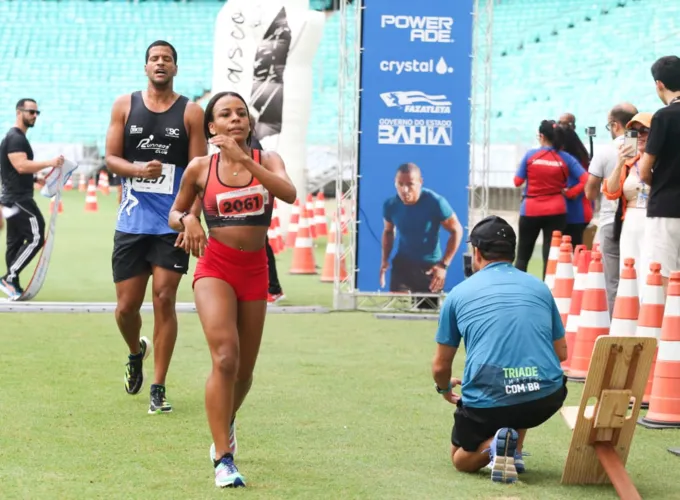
(243, 202)
(163, 184)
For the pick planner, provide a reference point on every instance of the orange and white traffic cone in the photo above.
(320, 222)
(627, 304)
(91, 198)
(303, 252)
(564, 282)
(577, 252)
(82, 183)
(664, 403)
(60, 208)
(277, 229)
(650, 319)
(593, 320)
(69, 184)
(293, 224)
(104, 183)
(271, 236)
(575, 307)
(553, 257)
(328, 271)
(309, 207)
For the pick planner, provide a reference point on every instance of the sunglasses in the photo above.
(30, 111)
(642, 130)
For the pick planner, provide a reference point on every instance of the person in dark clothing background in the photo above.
(25, 223)
(275, 290)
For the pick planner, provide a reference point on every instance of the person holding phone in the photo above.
(625, 186)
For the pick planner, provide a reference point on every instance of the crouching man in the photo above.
(514, 342)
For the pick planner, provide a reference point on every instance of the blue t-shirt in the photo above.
(508, 321)
(418, 225)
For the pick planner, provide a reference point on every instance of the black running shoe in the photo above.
(158, 402)
(134, 374)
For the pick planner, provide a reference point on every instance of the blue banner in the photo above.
(416, 81)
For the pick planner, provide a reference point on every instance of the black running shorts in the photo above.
(473, 426)
(134, 254)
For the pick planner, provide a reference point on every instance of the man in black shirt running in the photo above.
(25, 223)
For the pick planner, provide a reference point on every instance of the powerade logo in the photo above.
(416, 66)
(415, 101)
(415, 132)
(428, 29)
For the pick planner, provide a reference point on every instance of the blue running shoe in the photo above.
(227, 475)
(519, 462)
(503, 451)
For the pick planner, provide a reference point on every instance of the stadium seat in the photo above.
(548, 57)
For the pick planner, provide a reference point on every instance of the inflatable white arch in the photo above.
(264, 51)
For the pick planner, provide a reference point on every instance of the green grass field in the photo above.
(342, 405)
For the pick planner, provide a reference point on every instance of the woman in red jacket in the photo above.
(546, 172)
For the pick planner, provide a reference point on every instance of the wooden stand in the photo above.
(603, 432)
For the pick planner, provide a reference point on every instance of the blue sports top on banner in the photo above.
(416, 85)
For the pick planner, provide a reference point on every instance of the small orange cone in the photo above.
(564, 282)
(553, 256)
(664, 403)
(293, 224)
(627, 304)
(91, 198)
(328, 271)
(69, 184)
(577, 252)
(320, 221)
(303, 252)
(575, 307)
(104, 183)
(82, 183)
(593, 320)
(309, 207)
(280, 243)
(271, 236)
(650, 319)
(60, 208)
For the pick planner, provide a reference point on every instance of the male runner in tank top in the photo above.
(151, 139)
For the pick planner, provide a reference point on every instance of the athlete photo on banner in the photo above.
(416, 80)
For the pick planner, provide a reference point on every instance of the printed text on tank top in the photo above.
(225, 205)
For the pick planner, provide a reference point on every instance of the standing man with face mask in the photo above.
(602, 165)
(417, 214)
(25, 223)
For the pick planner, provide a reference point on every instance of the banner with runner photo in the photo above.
(416, 81)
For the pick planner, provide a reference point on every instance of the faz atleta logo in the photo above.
(429, 29)
(415, 132)
(148, 145)
(415, 101)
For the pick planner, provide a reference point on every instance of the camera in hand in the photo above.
(590, 131)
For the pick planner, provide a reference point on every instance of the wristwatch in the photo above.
(443, 391)
(441, 264)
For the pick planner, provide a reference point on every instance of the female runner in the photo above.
(237, 187)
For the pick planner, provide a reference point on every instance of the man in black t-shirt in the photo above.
(660, 168)
(25, 223)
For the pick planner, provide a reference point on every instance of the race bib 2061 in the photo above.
(242, 202)
(163, 184)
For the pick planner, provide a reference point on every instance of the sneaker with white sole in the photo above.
(227, 474)
(503, 451)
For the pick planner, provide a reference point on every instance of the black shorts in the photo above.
(473, 426)
(134, 254)
(409, 276)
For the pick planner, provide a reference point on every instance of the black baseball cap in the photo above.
(493, 234)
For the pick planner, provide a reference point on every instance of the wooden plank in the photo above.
(617, 364)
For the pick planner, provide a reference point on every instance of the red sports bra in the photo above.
(225, 205)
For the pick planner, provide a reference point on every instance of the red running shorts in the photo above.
(246, 272)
